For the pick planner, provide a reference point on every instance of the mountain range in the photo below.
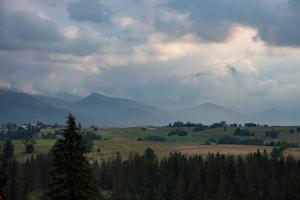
(105, 111)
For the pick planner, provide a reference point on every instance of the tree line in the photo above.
(66, 173)
(216, 176)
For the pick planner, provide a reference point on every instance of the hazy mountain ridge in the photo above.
(209, 113)
(105, 111)
(94, 109)
(21, 107)
(114, 111)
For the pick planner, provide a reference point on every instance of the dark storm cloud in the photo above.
(26, 31)
(20, 30)
(89, 11)
(212, 19)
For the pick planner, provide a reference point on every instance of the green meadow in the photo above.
(134, 140)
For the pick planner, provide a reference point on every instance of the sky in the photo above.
(168, 53)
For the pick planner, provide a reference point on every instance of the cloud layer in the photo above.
(169, 53)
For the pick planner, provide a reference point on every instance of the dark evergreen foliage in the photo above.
(153, 138)
(178, 132)
(29, 148)
(210, 140)
(257, 176)
(243, 132)
(283, 144)
(25, 177)
(29, 145)
(15, 132)
(92, 136)
(218, 125)
(71, 177)
(291, 131)
(199, 127)
(272, 134)
(149, 154)
(180, 124)
(251, 125)
(235, 140)
(215, 176)
(8, 150)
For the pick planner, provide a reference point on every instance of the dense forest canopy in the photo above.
(216, 176)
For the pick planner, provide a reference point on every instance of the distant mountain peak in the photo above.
(67, 96)
(96, 96)
(209, 105)
(103, 95)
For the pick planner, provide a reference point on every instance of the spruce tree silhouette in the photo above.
(71, 177)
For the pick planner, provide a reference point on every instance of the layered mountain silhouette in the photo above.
(209, 113)
(21, 107)
(95, 109)
(105, 111)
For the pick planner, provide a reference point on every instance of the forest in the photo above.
(66, 173)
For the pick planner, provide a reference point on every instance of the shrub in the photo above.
(210, 140)
(228, 140)
(276, 152)
(199, 127)
(234, 140)
(92, 136)
(217, 125)
(154, 138)
(29, 148)
(243, 132)
(178, 132)
(272, 133)
(291, 131)
(250, 125)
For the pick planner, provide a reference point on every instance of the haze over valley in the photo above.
(105, 111)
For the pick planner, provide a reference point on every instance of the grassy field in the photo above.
(194, 137)
(125, 141)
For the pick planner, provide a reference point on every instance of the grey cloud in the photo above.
(19, 29)
(212, 19)
(295, 6)
(32, 41)
(85, 44)
(25, 31)
(89, 10)
(167, 22)
(152, 84)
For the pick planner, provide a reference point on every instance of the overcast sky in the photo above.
(169, 53)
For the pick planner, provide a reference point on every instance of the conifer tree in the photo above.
(8, 150)
(149, 154)
(71, 177)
